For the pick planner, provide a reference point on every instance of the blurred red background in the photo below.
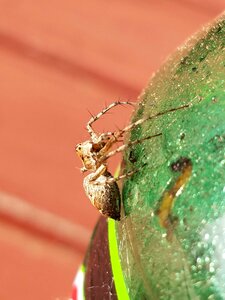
(60, 60)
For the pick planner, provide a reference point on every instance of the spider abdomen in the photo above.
(104, 194)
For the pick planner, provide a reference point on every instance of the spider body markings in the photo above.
(100, 186)
(103, 192)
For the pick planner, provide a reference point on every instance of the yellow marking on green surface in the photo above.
(169, 197)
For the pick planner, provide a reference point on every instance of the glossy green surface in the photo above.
(186, 261)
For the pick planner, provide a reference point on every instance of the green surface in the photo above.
(185, 260)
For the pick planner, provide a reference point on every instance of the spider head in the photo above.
(88, 153)
(84, 151)
(91, 152)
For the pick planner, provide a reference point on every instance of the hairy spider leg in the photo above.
(110, 142)
(115, 179)
(101, 113)
(100, 171)
(140, 121)
(125, 146)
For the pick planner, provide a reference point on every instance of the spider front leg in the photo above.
(100, 114)
(140, 121)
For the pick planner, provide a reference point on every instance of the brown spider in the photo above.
(100, 186)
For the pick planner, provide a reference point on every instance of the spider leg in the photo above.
(100, 171)
(101, 113)
(140, 121)
(126, 175)
(125, 146)
(107, 135)
(110, 141)
(115, 179)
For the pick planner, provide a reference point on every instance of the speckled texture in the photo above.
(190, 263)
(105, 196)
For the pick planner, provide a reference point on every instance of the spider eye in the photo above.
(78, 147)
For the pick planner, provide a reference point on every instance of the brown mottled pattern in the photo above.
(105, 197)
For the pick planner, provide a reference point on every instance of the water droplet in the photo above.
(199, 260)
(206, 237)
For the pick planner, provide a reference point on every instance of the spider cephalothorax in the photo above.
(92, 152)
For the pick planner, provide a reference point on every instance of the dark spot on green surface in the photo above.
(173, 222)
(218, 28)
(180, 164)
(182, 136)
(194, 69)
(202, 57)
(218, 142)
(184, 60)
(132, 157)
(185, 221)
(185, 224)
(214, 99)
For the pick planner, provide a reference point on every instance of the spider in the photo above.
(100, 186)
